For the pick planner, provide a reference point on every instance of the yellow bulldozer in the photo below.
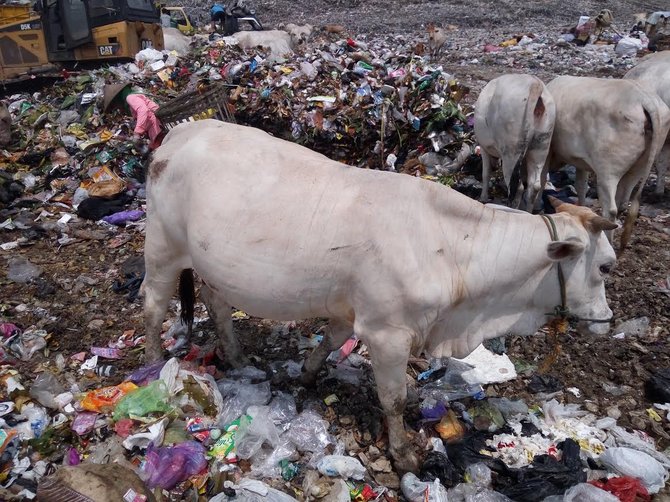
(38, 38)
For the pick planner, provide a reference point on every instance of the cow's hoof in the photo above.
(405, 462)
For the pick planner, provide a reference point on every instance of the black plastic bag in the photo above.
(438, 466)
(657, 388)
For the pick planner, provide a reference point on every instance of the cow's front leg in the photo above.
(336, 333)
(389, 352)
(219, 311)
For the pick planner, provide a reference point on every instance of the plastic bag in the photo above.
(238, 396)
(451, 386)
(625, 489)
(466, 492)
(341, 465)
(628, 46)
(105, 399)
(509, 408)
(438, 466)
(282, 409)
(167, 467)
(250, 490)
(122, 217)
(415, 490)
(45, 389)
(478, 474)
(309, 432)
(37, 421)
(636, 464)
(585, 492)
(657, 388)
(450, 428)
(146, 374)
(143, 401)
(250, 373)
(554, 411)
(266, 463)
(255, 429)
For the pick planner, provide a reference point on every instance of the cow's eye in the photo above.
(605, 269)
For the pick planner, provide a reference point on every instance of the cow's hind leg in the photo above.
(158, 288)
(336, 333)
(220, 313)
(662, 162)
(389, 352)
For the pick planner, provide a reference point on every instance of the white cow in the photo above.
(514, 120)
(279, 42)
(653, 72)
(613, 128)
(409, 265)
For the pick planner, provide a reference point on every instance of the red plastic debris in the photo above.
(123, 427)
(627, 489)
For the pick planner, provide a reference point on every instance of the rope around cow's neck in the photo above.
(562, 309)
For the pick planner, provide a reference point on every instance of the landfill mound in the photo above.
(75, 390)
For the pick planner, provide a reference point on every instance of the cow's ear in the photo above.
(562, 250)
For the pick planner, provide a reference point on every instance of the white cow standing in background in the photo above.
(409, 265)
(514, 121)
(613, 128)
(653, 72)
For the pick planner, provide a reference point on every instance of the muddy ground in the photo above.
(74, 301)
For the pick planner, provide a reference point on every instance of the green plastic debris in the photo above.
(144, 401)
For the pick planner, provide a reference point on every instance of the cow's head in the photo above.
(587, 258)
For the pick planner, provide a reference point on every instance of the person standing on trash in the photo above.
(218, 14)
(142, 108)
(166, 19)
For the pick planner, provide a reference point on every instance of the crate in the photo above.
(210, 102)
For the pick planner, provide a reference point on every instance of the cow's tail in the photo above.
(187, 298)
(535, 110)
(654, 139)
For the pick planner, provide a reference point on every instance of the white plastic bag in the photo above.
(341, 465)
(251, 490)
(415, 490)
(636, 464)
(584, 492)
(251, 434)
(628, 46)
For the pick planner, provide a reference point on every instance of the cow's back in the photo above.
(653, 72)
(264, 216)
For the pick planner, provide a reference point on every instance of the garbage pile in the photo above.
(193, 433)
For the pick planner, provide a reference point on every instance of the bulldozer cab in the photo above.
(70, 24)
(37, 39)
(180, 19)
